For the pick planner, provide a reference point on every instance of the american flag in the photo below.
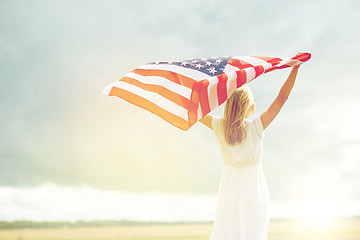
(182, 92)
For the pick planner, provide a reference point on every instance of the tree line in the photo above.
(68, 224)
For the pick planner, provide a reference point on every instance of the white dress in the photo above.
(242, 210)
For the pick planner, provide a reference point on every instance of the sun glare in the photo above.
(318, 213)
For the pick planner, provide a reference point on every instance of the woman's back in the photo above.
(242, 210)
(246, 153)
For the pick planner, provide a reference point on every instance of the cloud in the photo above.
(50, 202)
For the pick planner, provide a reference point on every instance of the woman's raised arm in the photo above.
(268, 116)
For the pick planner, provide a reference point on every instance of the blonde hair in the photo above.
(236, 108)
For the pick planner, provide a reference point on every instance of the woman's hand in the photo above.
(292, 64)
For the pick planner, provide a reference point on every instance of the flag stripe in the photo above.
(222, 89)
(171, 76)
(250, 74)
(157, 99)
(277, 67)
(230, 68)
(204, 98)
(151, 107)
(256, 61)
(164, 82)
(212, 91)
(241, 78)
(199, 112)
(193, 113)
(231, 83)
(272, 60)
(239, 64)
(188, 72)
(259, 70)
(161, 90)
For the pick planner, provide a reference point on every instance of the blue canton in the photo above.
(212, 66)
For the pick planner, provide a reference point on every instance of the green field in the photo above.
(340, 229)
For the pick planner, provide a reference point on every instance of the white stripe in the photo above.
(255, 61)
(212, 92)
(283, 58)
(199, 112)
(282, 62)
(107, 89)
(250, 74)
(188, 72)
(231, 83)
(230, 68)
(289, 60)
(164, 82)
(154, 98)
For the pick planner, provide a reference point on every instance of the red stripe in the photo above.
(259, 70)
(221, 88)
(203, 96)
(194, 103)
(240, 78)
(275, 61)
(275, 67)
(302, 57)
(150, 106)
(163, 91)
(239, 64)
(272, 60)
(171, 76)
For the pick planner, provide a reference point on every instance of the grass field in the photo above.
(340, 229)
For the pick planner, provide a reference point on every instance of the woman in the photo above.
(242, 210)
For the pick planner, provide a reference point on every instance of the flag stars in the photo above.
(199, 66)
(211, 65)
(212, 70)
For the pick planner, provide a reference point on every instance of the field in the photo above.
(340, 229)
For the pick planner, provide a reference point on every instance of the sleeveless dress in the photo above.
(242, 209)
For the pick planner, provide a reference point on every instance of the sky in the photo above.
(60, 137)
